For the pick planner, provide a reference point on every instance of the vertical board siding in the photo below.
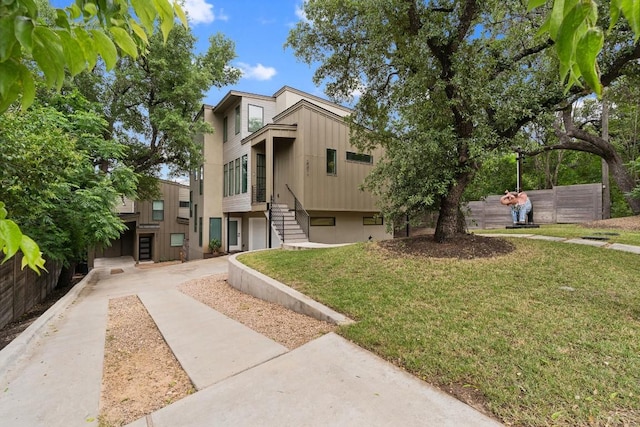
(20, 290)
(563, 204)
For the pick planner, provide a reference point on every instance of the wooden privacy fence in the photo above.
(563, 204)
(21, 289)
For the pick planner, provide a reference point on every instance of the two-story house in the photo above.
(156, 229)
(280, 169)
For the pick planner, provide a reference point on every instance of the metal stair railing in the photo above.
(302, 216)
(276, 217)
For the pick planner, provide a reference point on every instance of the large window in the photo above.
(256, 118)
(332, 159)
(225, 182)
(322, 221)
(231, 180)
(360, 158)
(177, 239)
(157, 213)
(225, 129)
(244, 173)
(238, 120)
(238, 176)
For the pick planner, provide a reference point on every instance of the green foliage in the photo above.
(72, 40)
(150, 102)
(60, 178)
(576, 30)
(215, 245)
(12, 240)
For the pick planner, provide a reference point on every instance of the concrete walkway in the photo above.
(577, 241)
(51, 375)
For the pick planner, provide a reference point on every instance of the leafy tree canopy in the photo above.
(444, 85)
(579, 38)
(49, 179)
(78, 35)
(150, 101)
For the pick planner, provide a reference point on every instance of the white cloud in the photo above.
(257, 72)
(300, 12)
(201, 12)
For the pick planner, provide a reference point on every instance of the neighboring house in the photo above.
(274, 158)
(157, 229)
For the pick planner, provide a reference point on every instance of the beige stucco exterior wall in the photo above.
(209, 203)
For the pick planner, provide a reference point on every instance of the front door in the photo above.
(235, 234)
(144, 248)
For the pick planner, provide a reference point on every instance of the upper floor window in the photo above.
(244, 173)
(256, 117)
(225, 182)
(360, 158)
(238, 120)
(238, 176)
(157, 213)
(225, 129)
(201, 179)
(332, 159)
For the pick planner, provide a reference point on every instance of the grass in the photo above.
(573, 231)
(548, 335)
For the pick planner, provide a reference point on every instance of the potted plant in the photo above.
(215, 246)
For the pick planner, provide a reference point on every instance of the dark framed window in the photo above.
(245, 160)
(215, 228)
(177, 239)
(238, 179)
(225, 129)
(191, 204)
(332, 160)
(231, 179)
(201, 179)
(372, 220)
(322, 221)
(238, 120)
(255, 117)
(225, 182)
(183, 204)
(195, 217)
(157, 210)
(359, 158)
(200, 231)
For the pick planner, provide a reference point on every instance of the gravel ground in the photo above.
(282, 325)
(141, 374)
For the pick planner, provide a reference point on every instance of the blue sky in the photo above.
(259, 29)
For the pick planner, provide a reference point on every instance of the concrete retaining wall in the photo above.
(264, 287)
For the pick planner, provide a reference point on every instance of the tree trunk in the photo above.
(623, 178)
(451, 220)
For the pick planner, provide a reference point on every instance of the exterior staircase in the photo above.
(284, 221)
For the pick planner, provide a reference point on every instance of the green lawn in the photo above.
(549, 334)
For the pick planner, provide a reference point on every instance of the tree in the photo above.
(72, 43)
(577, 32)
(49, 179)
(70, 39)
(444, 85)
(583, 133)
(150, 102)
